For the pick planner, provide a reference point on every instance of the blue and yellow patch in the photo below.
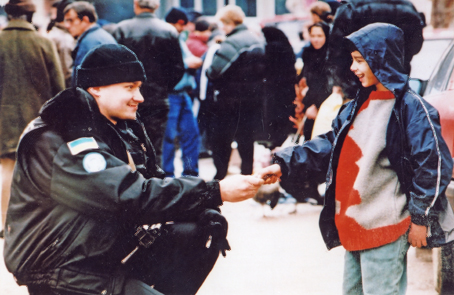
(82, 144)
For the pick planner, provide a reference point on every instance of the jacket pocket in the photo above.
(56, 252)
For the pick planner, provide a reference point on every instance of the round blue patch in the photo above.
(94, 162)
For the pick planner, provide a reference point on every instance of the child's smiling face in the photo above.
(361, 69)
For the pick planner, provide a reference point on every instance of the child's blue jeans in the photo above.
(381, 271)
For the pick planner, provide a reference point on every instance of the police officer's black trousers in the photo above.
(177, 263)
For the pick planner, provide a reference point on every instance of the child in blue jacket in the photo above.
(386, 166)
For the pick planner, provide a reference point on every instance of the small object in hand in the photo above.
(267, 176)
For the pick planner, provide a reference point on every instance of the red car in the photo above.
(432, 76)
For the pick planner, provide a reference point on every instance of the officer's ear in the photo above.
(94, 91)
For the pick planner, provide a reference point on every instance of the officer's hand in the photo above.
(417, 235)
(270, 174)
(238, 188)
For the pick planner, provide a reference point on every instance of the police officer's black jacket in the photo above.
(64, 223)
(414, 145)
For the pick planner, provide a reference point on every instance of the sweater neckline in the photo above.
(381, 95)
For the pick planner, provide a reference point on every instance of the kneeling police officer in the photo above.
(85, 184)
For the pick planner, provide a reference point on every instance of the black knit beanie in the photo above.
(177, 15)
(109, 64)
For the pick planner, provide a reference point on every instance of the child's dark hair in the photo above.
(350, 46)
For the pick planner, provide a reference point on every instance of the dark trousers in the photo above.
(237, 123)
(178, 262)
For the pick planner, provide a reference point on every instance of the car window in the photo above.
(439, 81)
(451, 81)
(424, 63)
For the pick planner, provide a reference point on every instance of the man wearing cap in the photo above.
(156, 44)
(30, 74)
(80, 20)
(85, 184)
(198, 39)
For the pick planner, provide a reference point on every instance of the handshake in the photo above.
(242, 187)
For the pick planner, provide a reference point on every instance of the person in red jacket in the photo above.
(198, 40)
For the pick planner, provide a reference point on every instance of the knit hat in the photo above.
(176, 15)
(108, 64)
(19, 7)
(202, 25)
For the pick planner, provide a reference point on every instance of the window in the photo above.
(249, 6)
(187, 3)
(280, 7)
(440, 80)
(209, 7)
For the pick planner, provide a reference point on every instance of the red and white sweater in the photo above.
(370, 205)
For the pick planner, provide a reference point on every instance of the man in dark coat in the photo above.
(30, 74)
(356, 14)
(156, 44)
(87, 182)
(237, 72)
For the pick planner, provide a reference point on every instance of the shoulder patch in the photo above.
(94, 162)
(82, 144)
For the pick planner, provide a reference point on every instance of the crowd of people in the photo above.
(96, 161)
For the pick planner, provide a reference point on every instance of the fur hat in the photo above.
(19, 7)
(109, 64)
(151, 4)
(176, 15)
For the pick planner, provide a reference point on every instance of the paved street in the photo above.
(279, 254)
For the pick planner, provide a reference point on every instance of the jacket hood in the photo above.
(73, 110)
(382, 46)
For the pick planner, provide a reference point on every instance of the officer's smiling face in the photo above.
(118, 101)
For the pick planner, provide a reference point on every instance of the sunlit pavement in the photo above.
(282, 253)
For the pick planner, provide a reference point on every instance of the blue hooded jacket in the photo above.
(414, 145)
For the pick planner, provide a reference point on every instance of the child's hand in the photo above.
(301, 89)
(270, 174)
(298, 123)
(417, 235)
(311, 112)
(299, 106)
